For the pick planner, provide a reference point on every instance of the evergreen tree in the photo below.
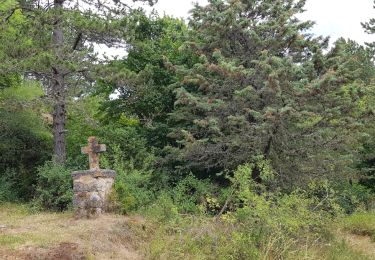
(367, 165)
(262, 91)
(57, 45)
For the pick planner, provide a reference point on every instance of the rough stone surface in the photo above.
(92, 187)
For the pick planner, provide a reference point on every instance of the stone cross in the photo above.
(93, 149)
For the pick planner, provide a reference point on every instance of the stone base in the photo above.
(91, 189)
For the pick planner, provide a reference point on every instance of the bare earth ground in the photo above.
(60, 236)
(363, 244)
(50, 236)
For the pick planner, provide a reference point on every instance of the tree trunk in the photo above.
(58, 88)
(59, 114)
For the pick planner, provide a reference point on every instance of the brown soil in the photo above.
(11, 255)
(61, 237)
(363, 244)
(64, 251)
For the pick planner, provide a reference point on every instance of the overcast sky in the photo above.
(333, 18)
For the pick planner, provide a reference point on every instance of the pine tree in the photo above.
(57, 46)
(367, 164)
(263, 90)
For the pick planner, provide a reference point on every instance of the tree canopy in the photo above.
(243, 82)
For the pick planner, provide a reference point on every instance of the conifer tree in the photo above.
(56, 45)
(263, 90)
(367, 165)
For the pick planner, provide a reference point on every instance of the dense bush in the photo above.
(7, 187)
(339, 197)
(257, 224)
(25, 141)
(133, 188)
(53, 188)
(163, 209)
(193, 196)
(354, 197)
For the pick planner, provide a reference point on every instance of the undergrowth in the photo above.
(251, 223)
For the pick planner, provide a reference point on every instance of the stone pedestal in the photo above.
(91, 189)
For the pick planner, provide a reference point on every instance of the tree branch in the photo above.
(10, 15)
(77, 40)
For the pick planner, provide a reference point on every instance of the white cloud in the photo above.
(340, 18)
(333, 18)
(177, 8)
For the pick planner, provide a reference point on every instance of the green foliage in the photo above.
(53, 188)
(133, 188)
(163, 210)
(190, 194)
(125, 141)
(340, 197)
(8, 188)
(132, 191)
(274, 218)
(7, 5)
(277, 97)
(25, 141)
(367, 164)
(126, 145)
(23, 91)
(82, 122)
(143, 79)
(255, 225)
(354, 197)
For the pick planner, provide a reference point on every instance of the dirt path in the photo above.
(63, 251)
(51, 236)
(363, 244)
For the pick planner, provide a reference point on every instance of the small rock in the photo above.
(3, 226)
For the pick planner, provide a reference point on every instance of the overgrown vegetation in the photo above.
(238, 135)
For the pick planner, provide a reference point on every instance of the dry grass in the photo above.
(358, 231)
(49, 235)
(363, 244)
(59, 236)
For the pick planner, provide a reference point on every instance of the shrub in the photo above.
(132, 188)
(25, 141)
(276, 221)
(257, 224)
(54, 187)
(191, 195)
(7, 191)
(163, 209)
(325, 197)
(340, 197)
(132, 191)
(353, 197)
